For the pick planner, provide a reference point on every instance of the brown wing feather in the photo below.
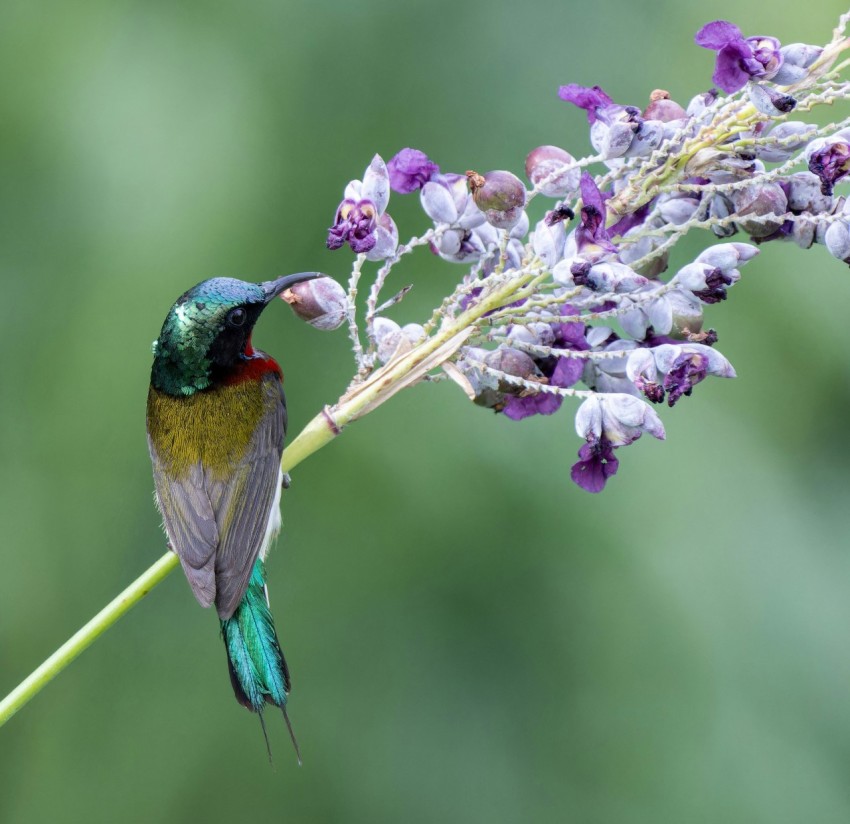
(243, 506)
(190, 524)
(216, 520)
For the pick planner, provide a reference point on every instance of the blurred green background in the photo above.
(472, 637)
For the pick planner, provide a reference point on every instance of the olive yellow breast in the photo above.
(213, 427)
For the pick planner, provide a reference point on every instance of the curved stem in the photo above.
(101, 622)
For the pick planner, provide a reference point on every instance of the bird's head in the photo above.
(208, 330)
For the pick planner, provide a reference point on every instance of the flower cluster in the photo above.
(580, 299)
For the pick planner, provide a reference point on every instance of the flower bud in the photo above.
(801, 54)
(829, 159)
(720, 207)
(491, 391)
(539, 334)
(790, 137)
(376, 184)
(706, 282)
(662, 108)
(414, 332)
(322, 302)
(804, 230)
(500, 195)
(679, 210)
(667, 354)
(805, 195)
(613, 140)
(796, 57)
(589, 419)
(520, 228)
(727, 256)
(686, 315)
(611, 276)
(633, 252)
(769, 101)
(625, 418)
(635, 323)
(701, 102)
(646, 139)
(389, 339)
(410, 169)
(548, 241)
(386, 239)
(511, 362)
(837, 240)
(556, 167)
(438, 203)
(760, 200)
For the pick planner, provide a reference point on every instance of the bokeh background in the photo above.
(472, 638)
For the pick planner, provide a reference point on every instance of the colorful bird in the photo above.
(216, 421)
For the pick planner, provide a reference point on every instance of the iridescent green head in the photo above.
(207, 331)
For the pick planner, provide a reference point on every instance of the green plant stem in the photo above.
(402, 371)
(101, 622)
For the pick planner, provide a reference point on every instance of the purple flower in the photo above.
(830, 163)
(565, 373)
(539, 403)
(591, 99)
(591, 234)
(410, 170)
(715, 287)
(360, 219)
(355, 224)
(739, 58)
(570, 335)
(687, 371)
(561, 371)
(595, 465)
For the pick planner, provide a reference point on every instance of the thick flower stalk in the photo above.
(568, 286)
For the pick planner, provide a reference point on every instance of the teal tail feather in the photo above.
(258, 670)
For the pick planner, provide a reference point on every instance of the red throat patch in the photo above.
(252, 366)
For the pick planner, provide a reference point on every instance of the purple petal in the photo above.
(718, 34)
(541, 403)
(687, 371)
(362, 244)
(355, 224)
(830, 164)
(591, 231)
(410, 170)
(629, 221)
(734, 68)
(585, 97)
(590, 194)
(567, 372)
(596, 464)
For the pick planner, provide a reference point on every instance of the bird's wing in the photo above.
(190, 524)
(246, 504)
(218, 524)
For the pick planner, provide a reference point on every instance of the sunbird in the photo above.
(216, 423)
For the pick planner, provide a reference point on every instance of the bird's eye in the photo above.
(236, 317)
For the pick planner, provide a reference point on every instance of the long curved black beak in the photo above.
(273, 288)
